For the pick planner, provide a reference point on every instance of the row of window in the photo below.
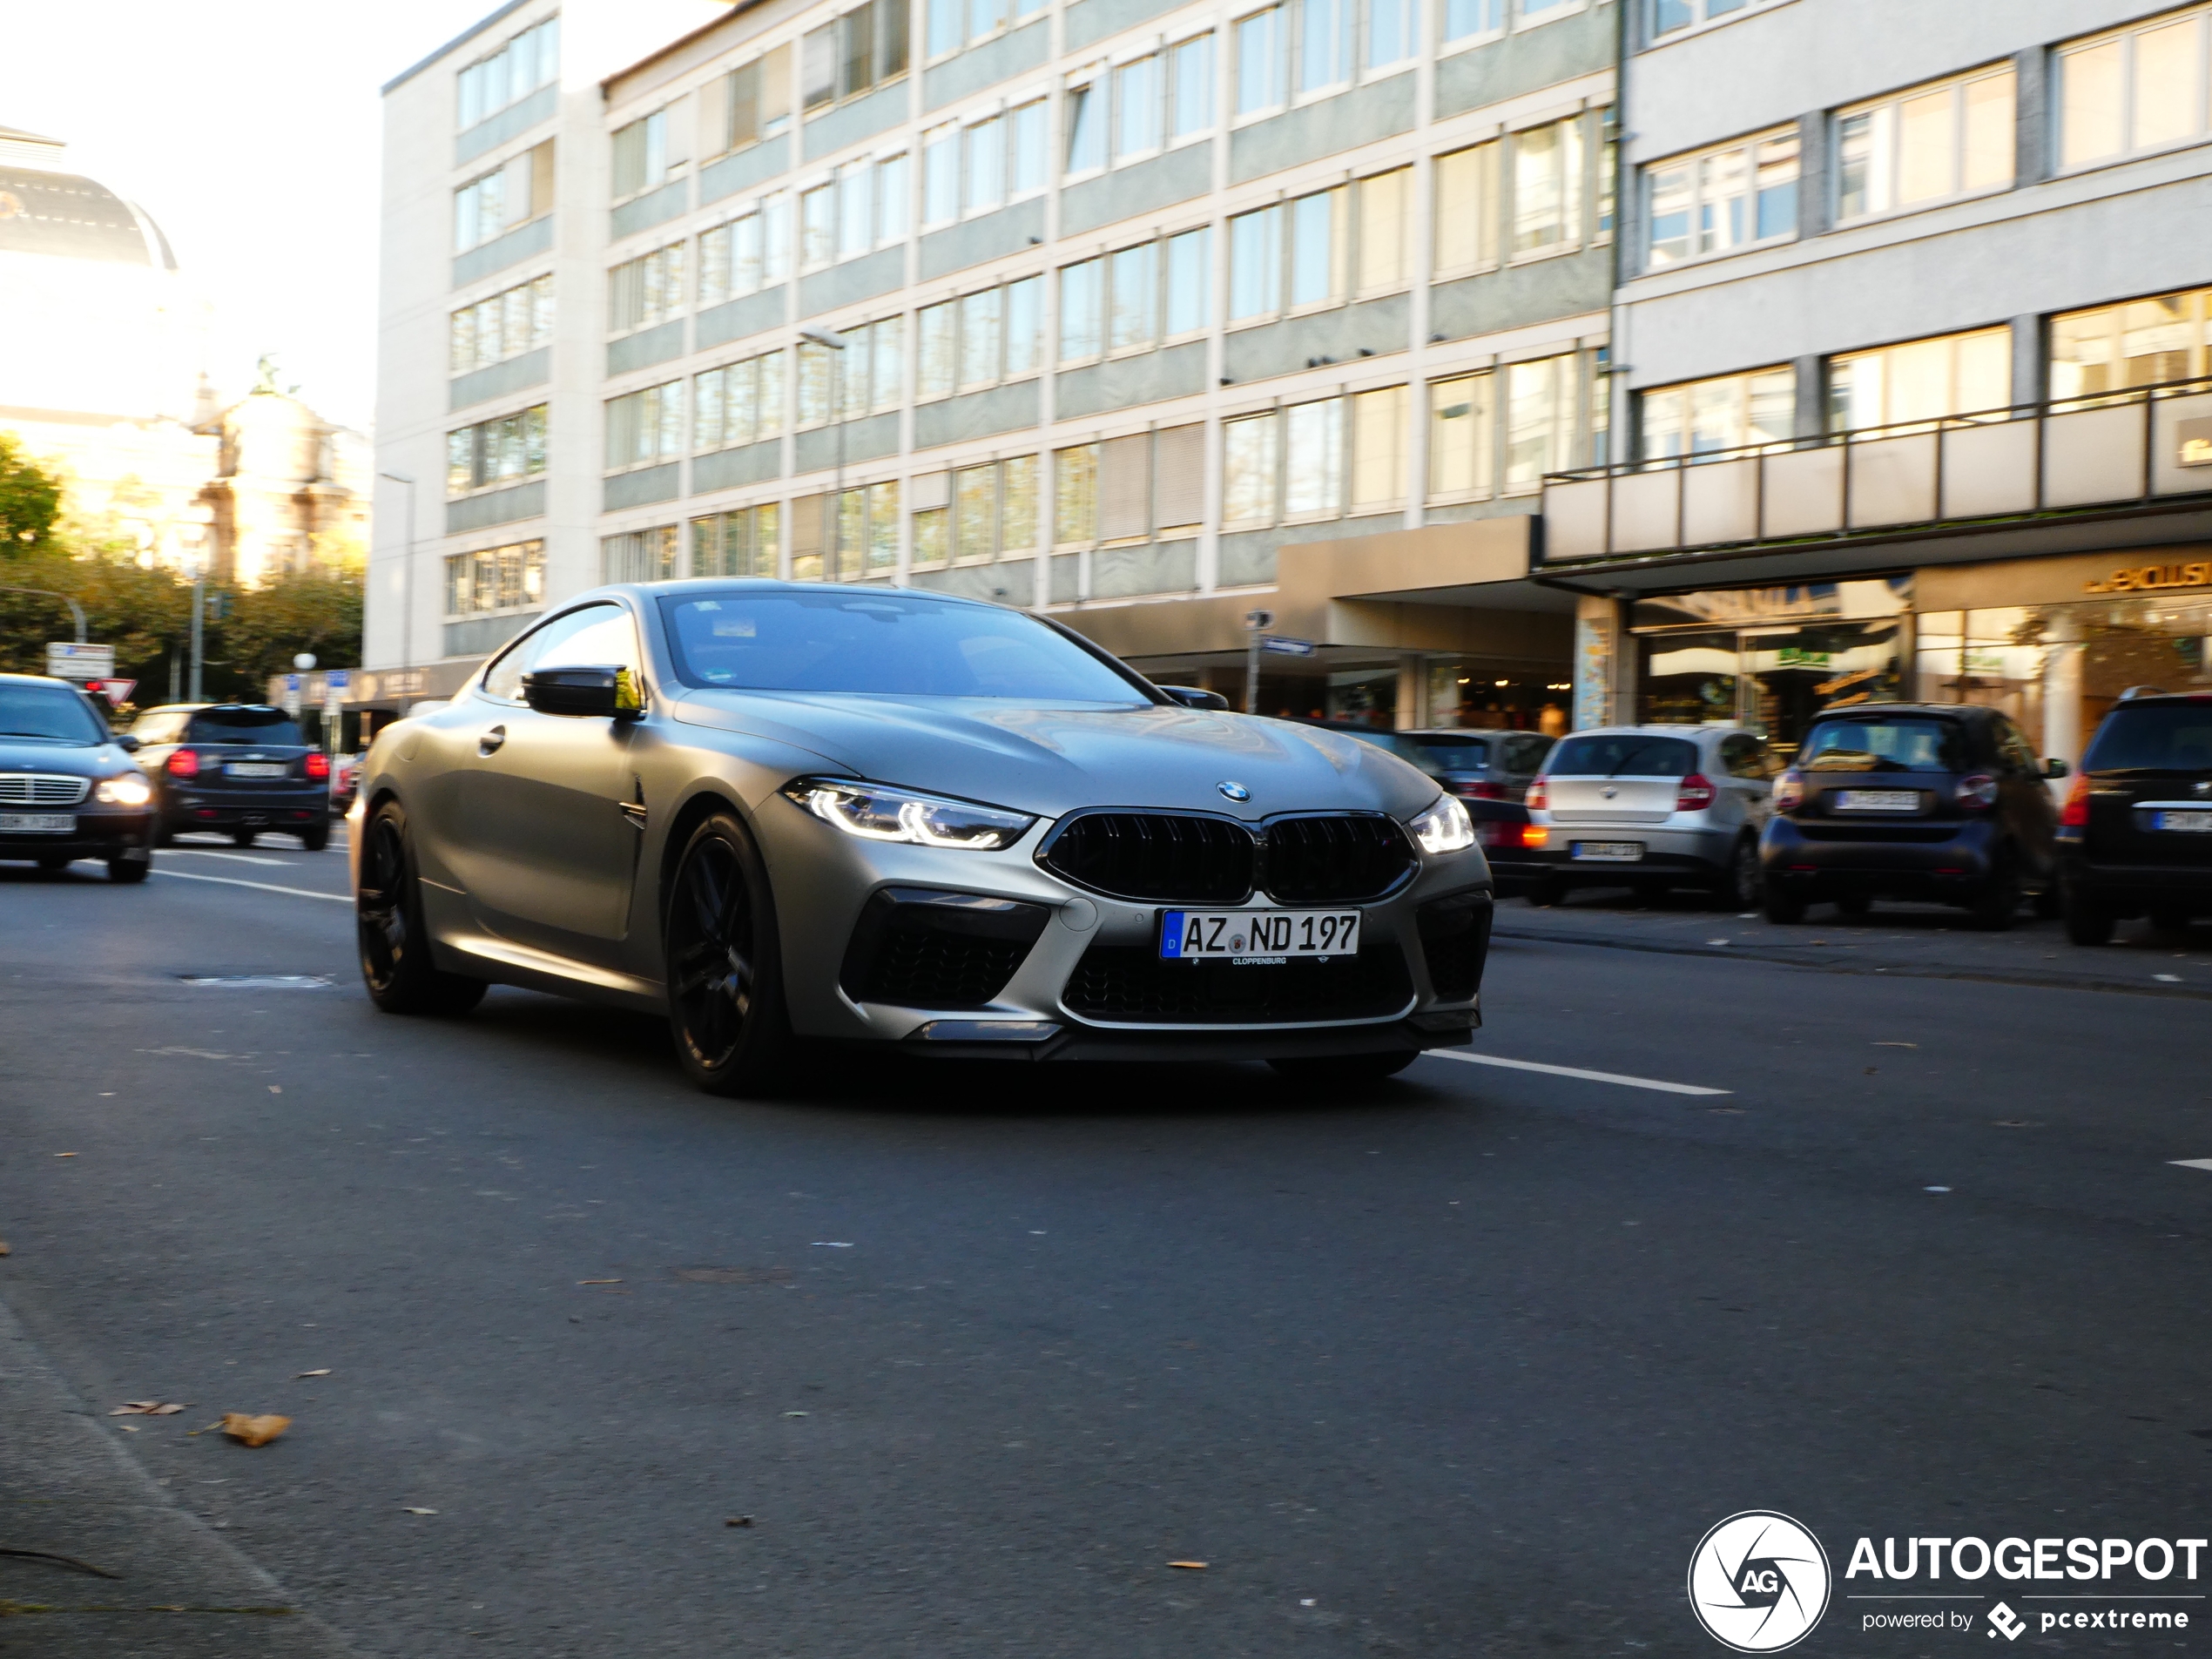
(496, 579)
(502, 451)
(860, 51)
(529, 61)
(512, 194)
(504, 325)
(2139, 90)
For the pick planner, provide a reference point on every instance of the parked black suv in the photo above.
(238, 767)
(2135, 835)
(1941, 802)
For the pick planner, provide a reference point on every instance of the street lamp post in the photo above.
(407, 574)
(834, 343)
(76, 610)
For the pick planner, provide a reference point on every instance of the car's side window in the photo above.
(1740, 755)
(604, 630)
(2014, 745)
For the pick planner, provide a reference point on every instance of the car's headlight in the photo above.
(1444, 827)
(875, 812)
(130, 789)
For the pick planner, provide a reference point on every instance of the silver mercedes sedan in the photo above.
(781, 813)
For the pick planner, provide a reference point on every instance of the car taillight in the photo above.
(1695, 795)
(1533, 835)
(2075, 813)
(1538, 799)
(1480, 792)
(1979, 793)
(183, 763)
(317, 765)
(1790, 791)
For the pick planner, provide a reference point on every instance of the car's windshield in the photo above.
(2158, 737)
(1896, 744)
(1623, 754)
(269, 727)
(889, 644)
(51, 711)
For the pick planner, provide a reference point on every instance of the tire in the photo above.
(2169, 924)
(1999, 901)
(165, 834)
(128, 871)
(243, 838)
(1545, 891)
(2087, 922)
(1857, 906)
(394, 946)
(316, 839)
(726, 1011)
(2049, 903)
(1783, 908)
(1345, 1070)
(52, 863)
(1738, 886)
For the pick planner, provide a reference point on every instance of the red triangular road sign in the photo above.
(118, 692)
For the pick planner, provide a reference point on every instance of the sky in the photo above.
(251, 131)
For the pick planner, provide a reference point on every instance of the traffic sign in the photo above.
(292, 695)
(337, 680)
(118, 692)
(1284, 646)
(75, 661)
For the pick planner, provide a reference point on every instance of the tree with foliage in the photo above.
(30, 500)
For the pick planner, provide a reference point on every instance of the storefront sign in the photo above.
(2195, 439)
(2153, 578)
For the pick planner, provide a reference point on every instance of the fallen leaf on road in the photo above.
(411, 1510)
(65, 1155)
(276, 1089)
(248, 1430)
(738, 1520)
(3, 1247)
(1195, 1567)
(833, 1244)
(165, 1411)
(598, 1281)
(1897, 1045)
(144, 1408)
(324, 1372)
(794, 1413)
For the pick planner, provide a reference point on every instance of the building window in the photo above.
(492, 204)
(1461, 429)
(859, 52)
(980, 338)
(2142, 89)
(1133, 310)
(747, 253)
(1670, 16)
(1390, 33)
(1086, 107)
(1082, 293)
(646, 155)
(508, 324)
(1472, 20)
(751, 103)
(739, 543)
(645, 427)
(1255, 264)
(1191, 92)
(1728, 412)
(739, 403)
(1921, 380)
(645, 291)
(1386, 207)
(1074, 495)
(530, 60)
(1259, 61)
(1467, 210)
(1190, 306)
(1547, 187)
(1314, 459)
(1319, 243)
(2142, 342)
(1925, 145)
(503, 450)
(1723, 201)
(1251, 449)
(1378, 433)
(1539, 419)
(817, 226)
(1137, 108)
(496, 579)
(867, 529)
(992, 513)
(940, 176)
(955, 24)
(639, 555)
(1323, 56)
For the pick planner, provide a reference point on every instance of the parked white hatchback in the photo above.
(1653, 808)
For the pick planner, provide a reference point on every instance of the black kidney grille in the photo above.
(1167, 857)
(1129, 984)
(927, 968)
(1334, 859)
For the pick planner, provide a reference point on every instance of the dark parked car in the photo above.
(67, 787)
(1490, 770)
(1939, 802)
(2135, 835)
(238, 767)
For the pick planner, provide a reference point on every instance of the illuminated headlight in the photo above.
(131, 789)
(875, 812)
(1444, 827)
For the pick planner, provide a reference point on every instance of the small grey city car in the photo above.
(1652, 807)
(778, 811)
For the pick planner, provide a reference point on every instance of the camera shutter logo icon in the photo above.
(1759, 1582)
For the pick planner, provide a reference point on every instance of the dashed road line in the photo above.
(265, 887)
(2191, 1163)
(235, 858)
(1625, 1082)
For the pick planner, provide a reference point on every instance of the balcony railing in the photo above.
(2141, 446)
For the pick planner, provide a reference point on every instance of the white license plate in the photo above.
(1259, 937)
(256, 769)
(1876, 800)
(37, 823)
(1606, 851)
(2186, 823)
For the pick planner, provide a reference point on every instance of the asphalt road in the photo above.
(1465, 1365)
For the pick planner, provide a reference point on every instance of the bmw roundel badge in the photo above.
(1235, 791)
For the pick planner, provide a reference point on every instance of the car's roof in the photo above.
(1683, 730)
(35, 679)
(2144, 697)
(645, 591)
(1937, 710)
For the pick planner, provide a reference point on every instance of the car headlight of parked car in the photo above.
(1444, 827)
(130, 789)
(877, 812)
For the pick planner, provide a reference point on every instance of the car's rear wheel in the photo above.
(1545, 891)
(128, 870)
(397, 966)
(1994, 907)
(2169, 924)
(2087, 921)
(316, 839)
(1339, 1070)
(243, 838)
(1736, 888)
(52, 863)
(1784, 906)
(725, 990)
(1857, 906)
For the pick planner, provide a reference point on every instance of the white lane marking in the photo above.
(265, 887)
(235, 858)
(1574, 1071)
(2192, 1163)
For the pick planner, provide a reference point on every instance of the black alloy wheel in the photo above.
(395, 945)
(317, 838)
(2087, 921)
(1993, 907)
(1784, 905)
(725, 996)
(1738, 886)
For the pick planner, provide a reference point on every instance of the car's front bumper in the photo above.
(100, 832)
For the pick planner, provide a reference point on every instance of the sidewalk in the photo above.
(68, 1488)
(1927, 941)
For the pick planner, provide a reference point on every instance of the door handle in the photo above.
(488, 744)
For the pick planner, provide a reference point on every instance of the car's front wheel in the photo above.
(725, 989)
(394, 944)
(1736, 888)
(128, 870)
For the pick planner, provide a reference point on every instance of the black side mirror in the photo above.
(2055, 768)
(594, 693)
(1192, 696)
(129, 744)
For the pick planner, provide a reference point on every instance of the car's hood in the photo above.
(1052, 759)
(72, 759)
